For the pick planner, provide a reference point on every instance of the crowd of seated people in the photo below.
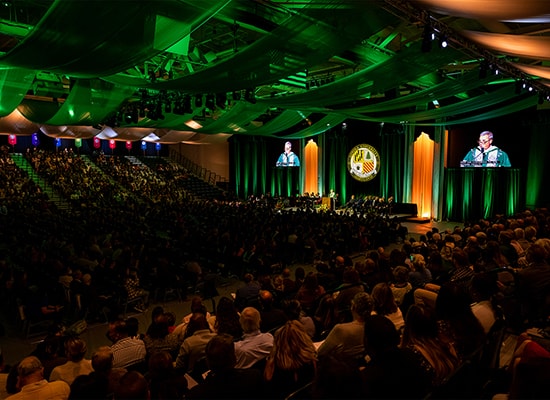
(367, 355)
(47, 250)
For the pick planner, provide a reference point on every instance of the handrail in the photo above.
(198, 170)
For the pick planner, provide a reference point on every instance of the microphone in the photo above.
(479, 155)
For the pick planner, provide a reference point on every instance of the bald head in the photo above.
(266, 296)
(250, 320)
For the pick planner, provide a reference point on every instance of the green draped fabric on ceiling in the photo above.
(116, 37)
(14, 84)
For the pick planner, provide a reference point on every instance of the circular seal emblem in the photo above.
(363, 162)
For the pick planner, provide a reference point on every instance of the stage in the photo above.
(416, 229)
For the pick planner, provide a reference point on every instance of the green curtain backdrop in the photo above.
(392, 171)
(255, 172)
(336, 164)
(473, 193)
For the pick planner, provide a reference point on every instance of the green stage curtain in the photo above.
(471, 193)
(392, 170)
(336, 165)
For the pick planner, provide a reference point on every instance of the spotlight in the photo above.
(443, 41)
(127, 117)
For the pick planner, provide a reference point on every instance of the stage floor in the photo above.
(420, 228)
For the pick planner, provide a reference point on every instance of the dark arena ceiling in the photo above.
(175, 71)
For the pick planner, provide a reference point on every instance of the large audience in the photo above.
(324, 309)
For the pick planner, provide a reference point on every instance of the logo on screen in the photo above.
(363, 162)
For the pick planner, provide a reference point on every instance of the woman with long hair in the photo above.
(226, 319)
(421, 335)
(385, 304)
(292, 362)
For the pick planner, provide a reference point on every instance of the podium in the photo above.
(329, 202)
